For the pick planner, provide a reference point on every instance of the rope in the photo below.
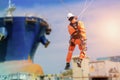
(85, 8)
(82, 5)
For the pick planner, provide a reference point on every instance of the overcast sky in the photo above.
(101, 19)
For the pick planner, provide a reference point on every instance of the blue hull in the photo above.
(22, 37)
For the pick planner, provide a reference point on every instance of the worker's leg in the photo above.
(69, 55)
(70, 51)
(82, 51)
(83, 48)
(81, 56)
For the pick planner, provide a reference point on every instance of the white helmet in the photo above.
(70, 15)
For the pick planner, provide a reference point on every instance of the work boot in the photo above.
(79, 63)
(67, 66)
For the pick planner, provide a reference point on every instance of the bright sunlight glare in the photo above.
(111, 30)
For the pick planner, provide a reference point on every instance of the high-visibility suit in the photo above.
(77, 37)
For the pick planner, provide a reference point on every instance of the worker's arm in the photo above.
(71, 30)
(82, 29)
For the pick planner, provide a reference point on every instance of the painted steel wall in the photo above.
(22, 39)
(80, 73)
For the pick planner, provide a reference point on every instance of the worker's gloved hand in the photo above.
(84, 41)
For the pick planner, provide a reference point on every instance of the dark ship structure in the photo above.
(19, 38)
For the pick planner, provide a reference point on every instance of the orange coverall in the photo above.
(79, 41)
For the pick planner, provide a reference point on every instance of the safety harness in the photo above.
(76, 35)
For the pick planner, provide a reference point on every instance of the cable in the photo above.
(82, 6)
(85, 8)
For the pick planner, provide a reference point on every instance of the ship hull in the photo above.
(23, 34)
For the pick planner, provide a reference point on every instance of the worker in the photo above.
(77, 33)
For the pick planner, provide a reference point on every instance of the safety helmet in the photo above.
(70, 15)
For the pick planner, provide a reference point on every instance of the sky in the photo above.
(101, 19)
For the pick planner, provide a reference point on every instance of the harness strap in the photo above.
(76, 34)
